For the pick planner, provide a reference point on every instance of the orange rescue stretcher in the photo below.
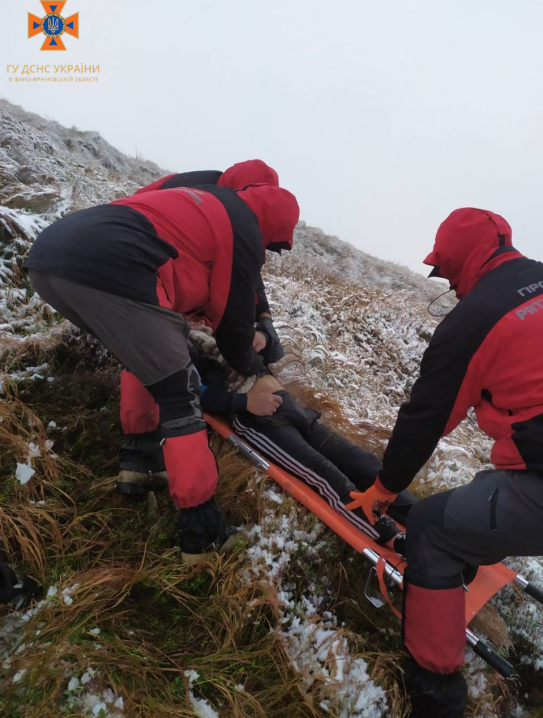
(387, 565)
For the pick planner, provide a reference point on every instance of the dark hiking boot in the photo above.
(387, 529)
(434, 694)
(142, 466)
(137, 484)
(389, 532)
(202, 530)
(19, 592)
(28, 590)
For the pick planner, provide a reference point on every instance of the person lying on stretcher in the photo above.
(293, 437)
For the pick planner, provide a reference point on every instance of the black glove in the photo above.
(273, 351)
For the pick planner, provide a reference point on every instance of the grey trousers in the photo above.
(151, 342)
(148, 340)
(498, 514)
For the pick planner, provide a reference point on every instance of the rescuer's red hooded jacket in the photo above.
(249, 172)
(236, 177)
(191, 250)
(487, 353)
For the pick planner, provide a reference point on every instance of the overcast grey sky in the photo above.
(381, 117)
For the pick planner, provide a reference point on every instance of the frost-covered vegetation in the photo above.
(280, 628)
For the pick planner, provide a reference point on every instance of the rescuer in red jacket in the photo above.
(141, 458)
(236, 177)
(129, 271)
(486, 354)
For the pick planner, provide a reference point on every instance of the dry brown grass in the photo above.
(157, 617)
(489, 622)
(364, 433)
(15, 351)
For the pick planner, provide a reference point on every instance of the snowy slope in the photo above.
(355, 329)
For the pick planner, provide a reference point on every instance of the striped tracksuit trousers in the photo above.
(295, 439)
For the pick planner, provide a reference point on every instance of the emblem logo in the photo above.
(53, 25)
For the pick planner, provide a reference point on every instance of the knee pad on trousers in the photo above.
(425, 522)
(178, 397)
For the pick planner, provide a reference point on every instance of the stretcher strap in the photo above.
(380, 568)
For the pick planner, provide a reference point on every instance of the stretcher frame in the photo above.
(387, 565)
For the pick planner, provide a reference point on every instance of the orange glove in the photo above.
(374, 502)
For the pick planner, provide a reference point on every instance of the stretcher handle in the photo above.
(489, 655)
(248, 453)
(534, 592)
(529, 588)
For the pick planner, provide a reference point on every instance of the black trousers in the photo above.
(498, 514)
(296, 440)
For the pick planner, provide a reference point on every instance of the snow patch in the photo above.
(24, 473)
(201, 707)
(317, 648)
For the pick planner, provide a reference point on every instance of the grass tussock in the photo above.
(366, 434)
